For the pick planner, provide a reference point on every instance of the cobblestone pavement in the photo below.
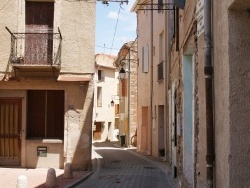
(125, 168)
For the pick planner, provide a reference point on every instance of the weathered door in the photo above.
(10, 132)
(144, 130)
(39, 32)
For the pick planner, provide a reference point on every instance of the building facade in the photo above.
(46, 87)
(153, 132)
(207, 89)
(106, 105)
(127, 64)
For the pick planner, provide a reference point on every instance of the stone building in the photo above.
(126, 62)
(207, 69)
(106, 105)
(46, 87)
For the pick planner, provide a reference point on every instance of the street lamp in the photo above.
(112, 103)
(122, 74)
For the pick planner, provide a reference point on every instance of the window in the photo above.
(161, 47)
(160, 71)
(100, 75)
(145, 63)
(45, 117)
(99, 96)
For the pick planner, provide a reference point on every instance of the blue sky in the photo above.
(106, 19)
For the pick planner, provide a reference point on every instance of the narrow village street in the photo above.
(125, 168)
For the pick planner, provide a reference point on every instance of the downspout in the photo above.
(208, 70)
(129, 95)
(151, 81)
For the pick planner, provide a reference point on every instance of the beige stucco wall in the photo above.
(231, 62)
(76, 20)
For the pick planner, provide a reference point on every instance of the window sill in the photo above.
(47, 141)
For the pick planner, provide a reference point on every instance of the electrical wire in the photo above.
(115, 29)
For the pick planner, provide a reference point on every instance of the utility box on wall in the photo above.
(42, 151)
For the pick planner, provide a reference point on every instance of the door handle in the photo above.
(20, 135)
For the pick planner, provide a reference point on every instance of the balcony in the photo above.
(160, 71)
(37, 49)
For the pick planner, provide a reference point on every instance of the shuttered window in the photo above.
(45, 117)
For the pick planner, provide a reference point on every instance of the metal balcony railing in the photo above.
(160, 71)
(39, 47)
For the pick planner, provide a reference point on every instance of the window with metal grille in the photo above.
(160, 71)
(45, 114)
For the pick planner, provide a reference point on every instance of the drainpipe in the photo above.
(129, 95)
(151, 81)
(208, 70)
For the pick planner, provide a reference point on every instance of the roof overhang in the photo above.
(74, 78)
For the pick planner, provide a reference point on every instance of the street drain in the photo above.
(149, 167)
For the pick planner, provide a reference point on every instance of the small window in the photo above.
(99, 96)
(100, 75)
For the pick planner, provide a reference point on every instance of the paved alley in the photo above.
(123, 167)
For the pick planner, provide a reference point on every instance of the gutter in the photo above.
(208, 70)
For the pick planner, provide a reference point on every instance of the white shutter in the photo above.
(145, 64)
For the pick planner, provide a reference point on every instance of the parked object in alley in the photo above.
(22, 182)
(51, 178)
(68, 172)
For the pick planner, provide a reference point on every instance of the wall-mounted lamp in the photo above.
(112, 103)
(122, 74)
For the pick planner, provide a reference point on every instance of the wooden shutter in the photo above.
(36, 113)
(55, 114)
(124, 87)
(39, 17)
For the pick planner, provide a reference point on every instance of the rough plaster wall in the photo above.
(221, 93)
(239, 96)
(143, 79)
(8, 17)
(78, 31)
(78, 131)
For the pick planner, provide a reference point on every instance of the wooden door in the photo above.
(39, 32)
(144, 130)
(10, 132)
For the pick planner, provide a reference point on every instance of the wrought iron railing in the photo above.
(41, 47)
(160, 71)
